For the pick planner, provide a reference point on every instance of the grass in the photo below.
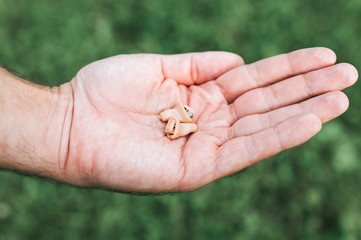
(310, 192)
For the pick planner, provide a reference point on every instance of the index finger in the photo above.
(273, 69)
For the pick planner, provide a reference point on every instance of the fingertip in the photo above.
(233, 58)
(310, 59)
(340, 102)
(327, 106)
(344, 102)
(325, 55)
(306, 125)
(313, 122)
(350, 73)
(238, 59)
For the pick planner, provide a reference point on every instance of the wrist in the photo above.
(33, 121)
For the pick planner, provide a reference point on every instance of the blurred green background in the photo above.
(310, 192)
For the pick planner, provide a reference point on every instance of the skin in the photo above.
(102, 128)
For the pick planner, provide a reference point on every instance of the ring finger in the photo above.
(326, 106)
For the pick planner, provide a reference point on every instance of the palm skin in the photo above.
(117, 140)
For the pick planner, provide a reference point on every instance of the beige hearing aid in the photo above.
(180, 122)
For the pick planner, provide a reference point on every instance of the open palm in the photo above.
(244, 113)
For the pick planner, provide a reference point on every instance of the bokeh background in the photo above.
(310, 192)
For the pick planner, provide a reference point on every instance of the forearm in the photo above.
(34, 126)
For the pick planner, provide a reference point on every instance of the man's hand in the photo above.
(243, 115)
(112, 137)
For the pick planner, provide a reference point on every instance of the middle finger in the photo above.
(294, 89)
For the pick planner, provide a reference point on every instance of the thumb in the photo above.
(197, 68)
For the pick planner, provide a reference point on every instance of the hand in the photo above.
(244, 113)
